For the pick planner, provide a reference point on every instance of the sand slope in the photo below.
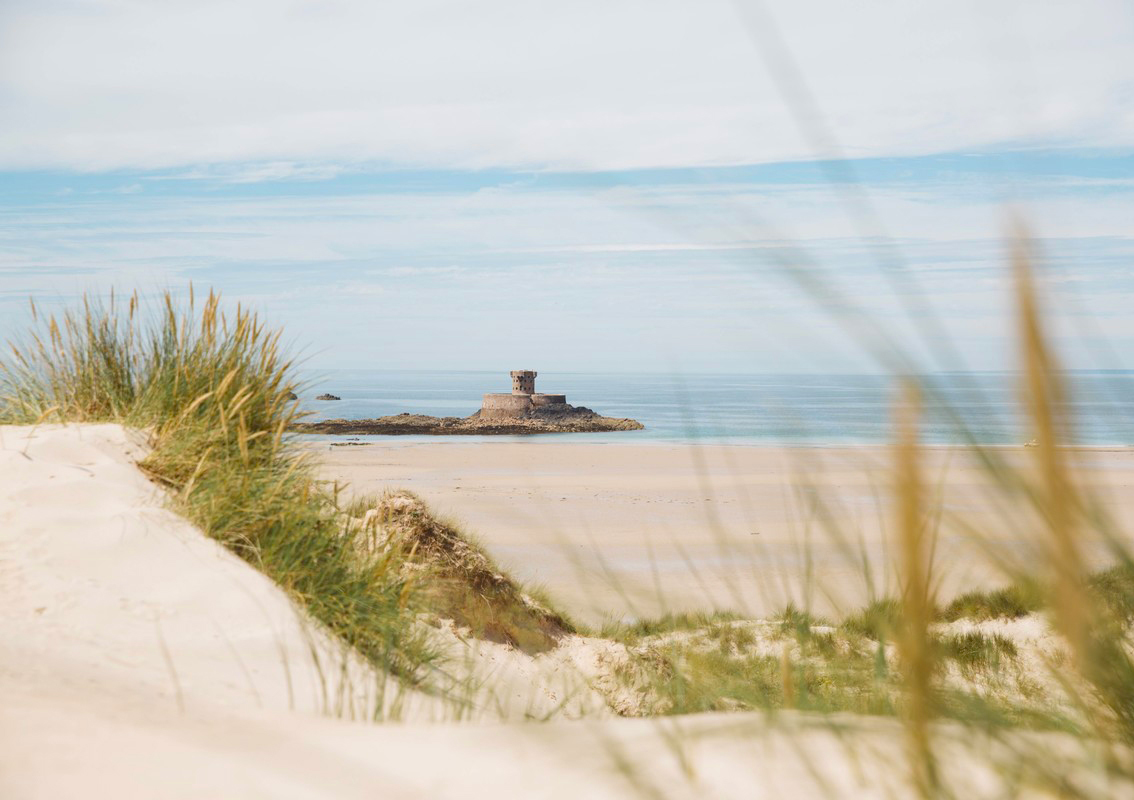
(104, 589)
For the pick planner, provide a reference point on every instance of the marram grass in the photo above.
(213, 391)
(215, 395)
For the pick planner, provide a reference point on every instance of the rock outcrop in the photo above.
(559, 418)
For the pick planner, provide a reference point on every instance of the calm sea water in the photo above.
(747, 409)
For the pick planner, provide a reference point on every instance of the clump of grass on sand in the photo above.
(975, 650)
(214, 394)
(1113, 591)
(879, 620)
(680, 621)
(735, 664)
(700, 662)
(1010, 602)
(463, 583)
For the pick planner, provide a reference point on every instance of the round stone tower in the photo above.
(523, 381)
(521, 401)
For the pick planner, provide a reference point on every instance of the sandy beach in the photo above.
(637, 530)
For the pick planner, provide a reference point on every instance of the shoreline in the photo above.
(598, 438)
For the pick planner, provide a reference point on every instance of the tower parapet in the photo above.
(523, 381)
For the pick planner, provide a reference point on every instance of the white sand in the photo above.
(635, 530)
(142, 660)
(94, 566)
(98, 573)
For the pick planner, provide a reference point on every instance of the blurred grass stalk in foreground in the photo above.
(914, 645)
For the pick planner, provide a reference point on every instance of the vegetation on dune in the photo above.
(1113, 591)
(631, 632)
(1010, 602)
(747, 665)
(464, 584)
(880, 620)
(691, 662)
(798, 621)
(214, 394)
(793, 663)
(975, 650)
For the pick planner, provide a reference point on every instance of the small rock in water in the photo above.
(328, 397)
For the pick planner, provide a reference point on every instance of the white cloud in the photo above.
(591, 84)
(256, 172)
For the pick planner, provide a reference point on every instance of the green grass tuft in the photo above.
(879, 620)
(1010, 602)
(797, 622)
(1113, 589)
(669, 623)
(689, 677)
(464, 584)
(975, 651)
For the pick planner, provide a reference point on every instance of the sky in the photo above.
(590, 186)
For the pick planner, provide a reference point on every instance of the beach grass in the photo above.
(213, 392)
(1009, 602)
(462, 582)
(878, 620)
(631, 632)
(752, 665)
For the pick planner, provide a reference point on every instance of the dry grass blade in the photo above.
(916, 609)
(1043, 397)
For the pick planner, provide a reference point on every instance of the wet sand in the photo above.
(636, 530)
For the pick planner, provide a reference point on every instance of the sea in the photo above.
(815, 410)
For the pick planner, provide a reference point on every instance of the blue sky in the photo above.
(598, 186)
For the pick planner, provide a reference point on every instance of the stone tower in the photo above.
(522, 401)
(523, 381)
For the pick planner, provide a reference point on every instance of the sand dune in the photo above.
(142, 660)
(99, 575)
